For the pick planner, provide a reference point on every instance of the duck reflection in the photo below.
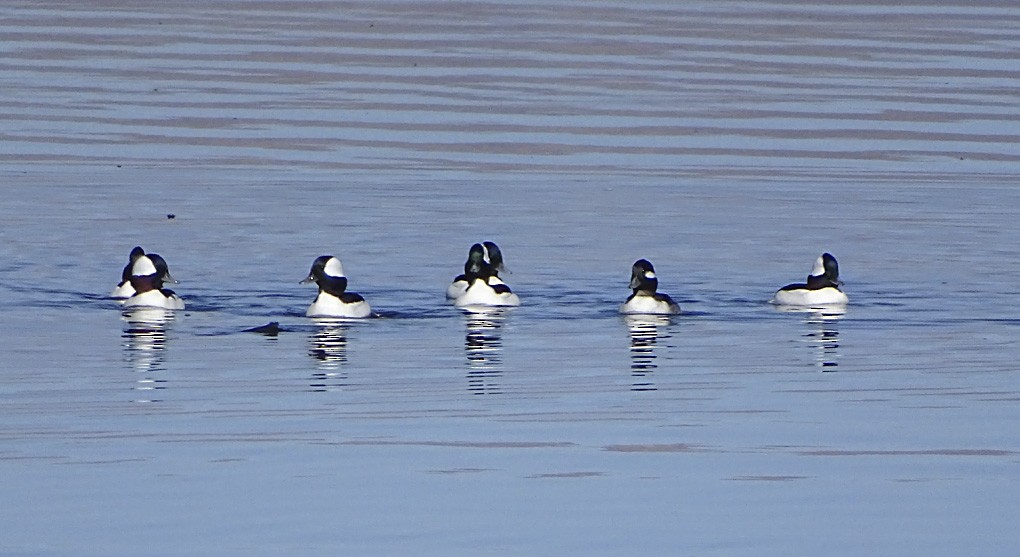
(329, 348)
(822, 333)
(644, 334)
(483, 346)
(145, 347)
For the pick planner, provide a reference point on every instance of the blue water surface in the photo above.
(728, 144)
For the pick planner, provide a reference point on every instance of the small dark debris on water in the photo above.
(171, 216)
(269, 329)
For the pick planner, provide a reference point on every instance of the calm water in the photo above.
(729, 143)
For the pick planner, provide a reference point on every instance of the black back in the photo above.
(350, 297)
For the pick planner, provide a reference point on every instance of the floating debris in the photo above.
(269, 329)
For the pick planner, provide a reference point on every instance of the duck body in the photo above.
(147, 275)
(795, 295)
(347, 304)
(644, 303)
(822, 287)
(163, 298)
(333, 299)
(644, 300)
(484, 291)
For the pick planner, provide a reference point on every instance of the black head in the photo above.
(825, 272)
(162, 270)
(318, 269)
(328, 273)
(642, 276)
(137, 252)
(476, 265)
(495, 257)
(145, 275)
(831, 267)
(324, 266)
(476, 253)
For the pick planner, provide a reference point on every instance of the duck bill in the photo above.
(307, 280)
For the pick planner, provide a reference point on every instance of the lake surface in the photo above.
(730, 143)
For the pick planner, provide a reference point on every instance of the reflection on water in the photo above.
(145, 346)
(329, 348)
(483, 346)
(644, 334)
(822, 333)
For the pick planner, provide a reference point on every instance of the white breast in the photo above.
(481, 294)
(810, 298)
(327, 305)
(154, 299)
(648, 305)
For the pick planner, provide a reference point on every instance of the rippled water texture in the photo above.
(730, 143)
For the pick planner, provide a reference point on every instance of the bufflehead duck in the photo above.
(645, 300)
(489, 253)
(333, 301)
(483, 286)
(821, 289)
(148, 273)
(124, 288)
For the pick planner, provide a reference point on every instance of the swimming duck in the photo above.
(488, 252)
(328, 273)
(148, 273)
(124, 288)
(645, 300)
(483, 286)
(821, 288)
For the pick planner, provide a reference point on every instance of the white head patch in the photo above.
(333, 268)
(143, 267)
(819, 268)
(649, 275)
